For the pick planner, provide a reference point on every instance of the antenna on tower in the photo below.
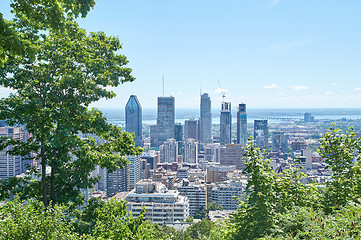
(163, 85)
(200, 89)
(222, 91)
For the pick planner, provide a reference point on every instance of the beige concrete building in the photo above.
(161, 205)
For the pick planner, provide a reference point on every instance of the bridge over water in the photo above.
(283, 119)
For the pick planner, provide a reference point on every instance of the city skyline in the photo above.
(264, 53)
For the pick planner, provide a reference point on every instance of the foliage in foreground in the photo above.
(37, 15)
(99, 220)
(31, 221)
(306, 223)
(342, 153)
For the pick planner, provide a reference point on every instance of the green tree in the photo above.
(112, 221)
(201, 213)
(36, 15)
(341, 151)
(51, 98)
(200, 230)
(290, 191)
(213, 206)
(20, 220)
(307, 223)
(255, 217)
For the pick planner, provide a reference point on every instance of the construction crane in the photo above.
(222, 91)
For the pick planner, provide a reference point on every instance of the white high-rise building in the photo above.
(190, 151)
(134, 170)
(169, 151)
(307, 152)
(228, 194)
(10, 166)
(196, 193)
(161, 205)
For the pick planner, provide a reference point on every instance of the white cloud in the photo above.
(271, 87)
(334, 84)
(274, 2)
(299, 88)
(358, 89)
(220, 90)
(180, 93)
(328, 93)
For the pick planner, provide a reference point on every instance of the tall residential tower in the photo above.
(133, 119)
(206, 119)
(242, 124)
(225, 124)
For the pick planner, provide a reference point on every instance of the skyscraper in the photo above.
(242, 125)
(133, 119)
(225, 124)
(279, 141)
(206, 119)
(261, 133)
(165, 119)
(192, 129)
(134, 170)
(153, 136)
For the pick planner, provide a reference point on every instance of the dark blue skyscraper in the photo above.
(133, 119)
(178, 132)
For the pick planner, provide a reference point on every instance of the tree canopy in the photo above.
(51, 97)
(36, 15)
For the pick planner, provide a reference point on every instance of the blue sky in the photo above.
(265, 53)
